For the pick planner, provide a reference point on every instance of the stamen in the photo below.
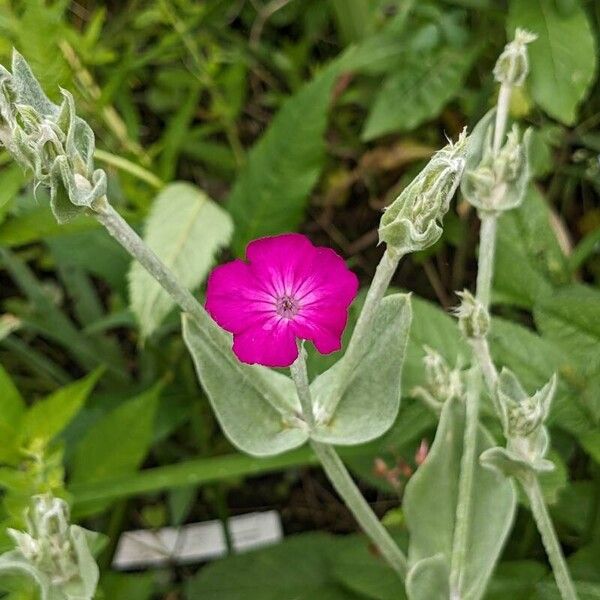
(287, 307)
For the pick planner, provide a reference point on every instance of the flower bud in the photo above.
(473, 317)
(441, 382)
(523, 416)
(56, 551)
(512, 65)
(496, 182)
(49, 140)
(412, 221)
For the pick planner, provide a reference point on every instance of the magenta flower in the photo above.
(287, 289)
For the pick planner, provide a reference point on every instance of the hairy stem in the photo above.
(131, 241)
(542, 518)
(485, 266)
(465, 485)
(343, 483)
(501, 116)
(383, 275)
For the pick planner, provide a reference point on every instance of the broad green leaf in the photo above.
(12, 408)
(515, 579)
(563, 58)
(526, 238)
(363, 572)
(571, 317)
(270, 194)
(118, 443)
(429, 579)
(255, 406)
(185, 228)
(360, 405)
(300, 568)
(418, 91)
(128, 586)
(430, 507)
(49, 417)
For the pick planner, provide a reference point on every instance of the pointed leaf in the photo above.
(270, 194)
(185, 228)
(431, 497)
(561, 71)
(417, 91)
(49, 417)
(118, 443)
(428, 579)
(369, 398)
(12, 409)
(255, 406)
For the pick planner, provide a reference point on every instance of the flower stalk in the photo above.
(342, 481)
(532, 488)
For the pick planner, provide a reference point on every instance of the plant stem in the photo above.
(542, 518)
(383, 275)
(485, 266)
(501, 116)
(131, 241)
(465, 485)
(126, 165)
(342, 482)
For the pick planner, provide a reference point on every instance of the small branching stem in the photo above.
(532, 488)
(342, 481)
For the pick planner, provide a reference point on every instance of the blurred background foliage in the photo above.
(305, 115)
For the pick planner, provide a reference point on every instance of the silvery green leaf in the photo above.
(357, 404)
(70, 193)
(511, 464)
(428, 579)
(14, 562)
(256, 407)
(430, 503)
(186, 229)
(84, 587)
(80, 140)
(27, 89)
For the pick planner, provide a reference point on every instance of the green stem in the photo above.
(131, 241)
(542, 518)
(485, 266)
(501, 116)
(356, 347)
(465, 485)
(342, 482)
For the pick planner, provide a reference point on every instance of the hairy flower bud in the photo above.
(496, 182)
(49, 140)
(54, 552)
(473, 317)
(412, 221)
(441, 382)
(523, 416)
(512, 65)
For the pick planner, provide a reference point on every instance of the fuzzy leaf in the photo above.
(255, 406)
(562, 71)
(428, 578)
(417, 91)
(430, 506)
(270, 194)
(185, 228)
(369, 398)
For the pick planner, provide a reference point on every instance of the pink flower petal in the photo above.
(272, 345)
(312, 288)
(234, 297)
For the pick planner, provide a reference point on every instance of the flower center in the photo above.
(287, 307)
